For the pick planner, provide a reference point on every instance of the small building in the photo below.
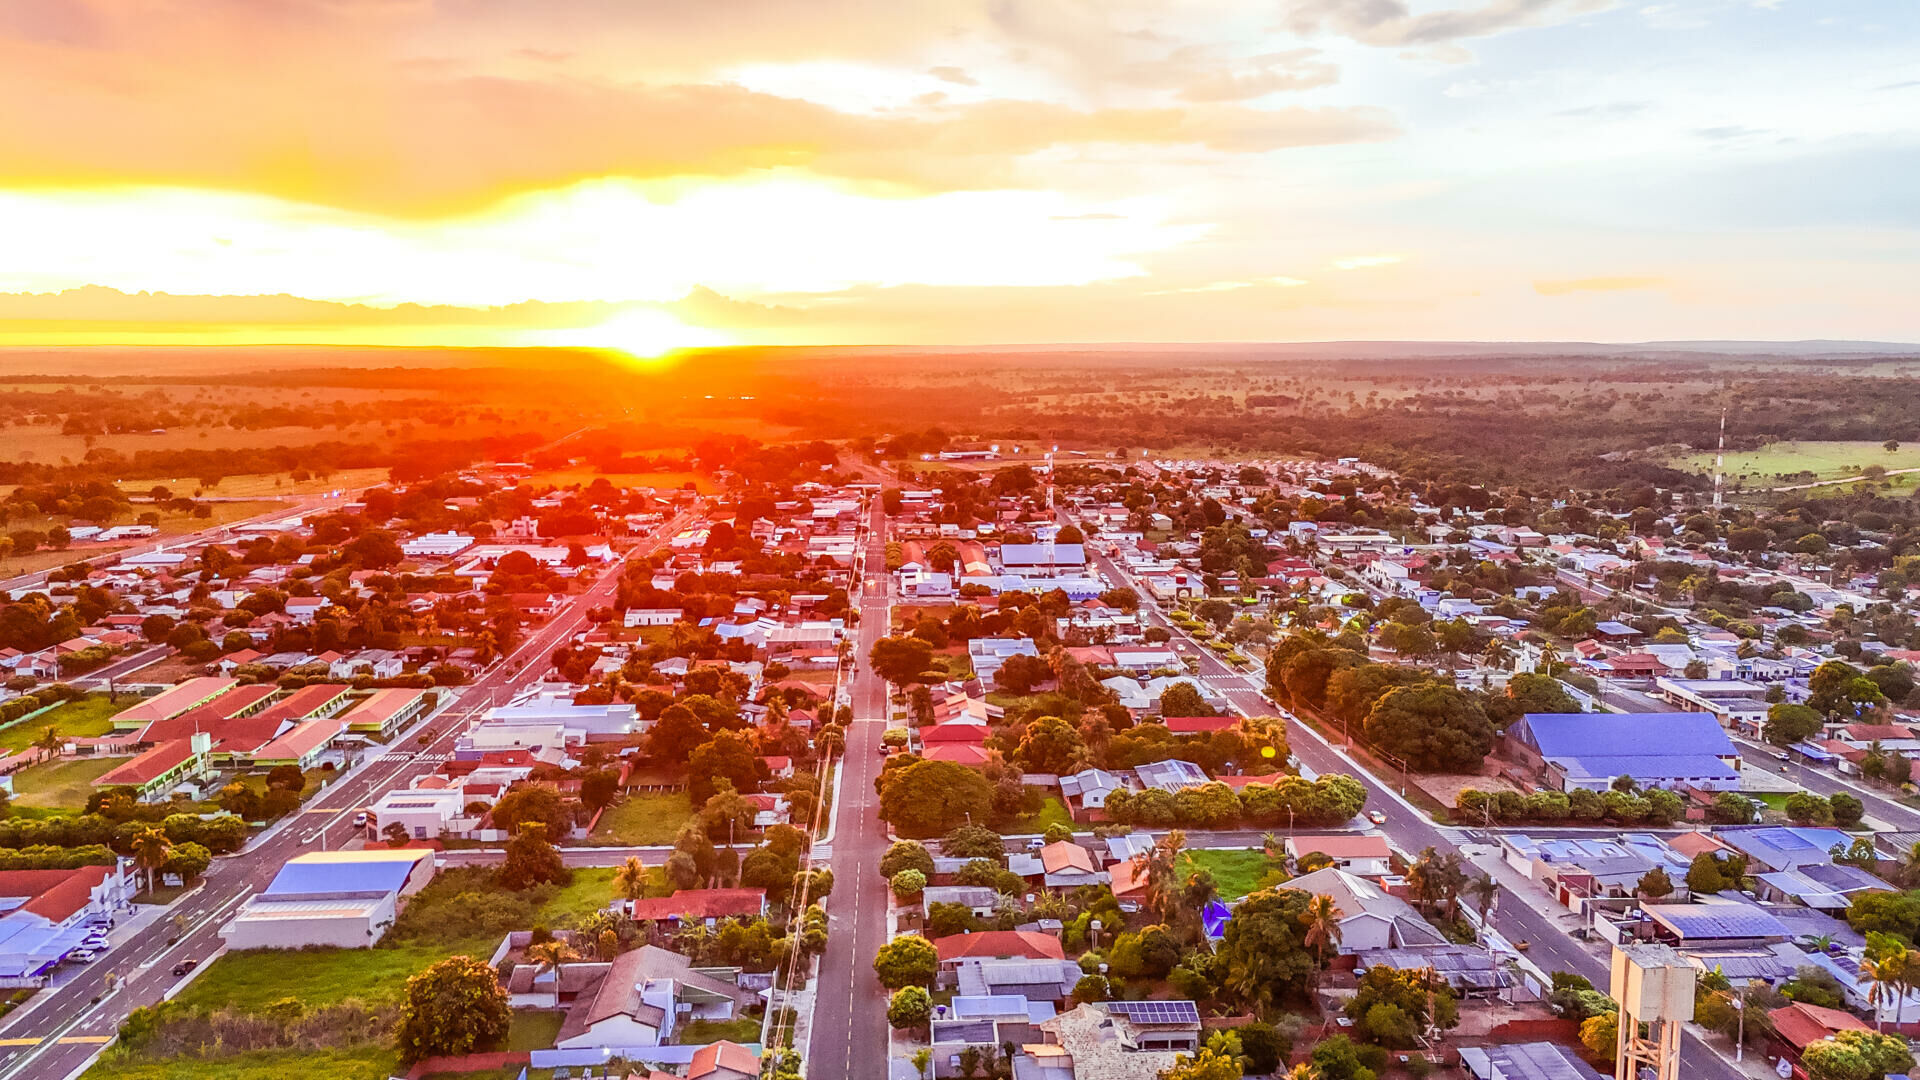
(705, 906)
(1067, 865)
(645, 997)
(423, 812)
(1360, 855)
(1784, 847)
(155, 772)
(1526, 1061)
(49, 913)
(386, 711)
(637, 617)
(345, 899)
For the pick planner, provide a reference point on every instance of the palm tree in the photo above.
(1163, 875)
(1882, 973)
(1496, 653)
(1272, 846)
(1549, 656)
(50, 742)
(1484, 889)
(151, 850)
(630, 881)
(1322, 921)
(552, 956)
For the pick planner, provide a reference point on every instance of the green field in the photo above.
(1791, 462)
(62, 785)
(647, 818)
(254, 978)
(370, 1063)
(1235, 870)
(746, 1029)
(534, 1029)
(86, 718)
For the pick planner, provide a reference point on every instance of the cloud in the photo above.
(1612, 108)
(1362, 262)
(1729, 131)
(1389, 23)
(954, 75)
(1568, 286)
(1294, 69)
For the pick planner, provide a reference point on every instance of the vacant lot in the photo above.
(1052, 812)
(1799, 462)
(369, 1063)
(650, 818)
(88, 717)
(1236, 871)
(60, 785)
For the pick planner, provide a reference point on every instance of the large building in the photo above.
(48, 914)
(1591, 750)
(340, 898)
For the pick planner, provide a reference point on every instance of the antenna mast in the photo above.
(1720, 462)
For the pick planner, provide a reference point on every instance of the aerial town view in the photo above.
(969, 540)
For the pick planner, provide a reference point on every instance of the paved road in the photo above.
(849, 1037)
(65, 1026)
(1550, 946)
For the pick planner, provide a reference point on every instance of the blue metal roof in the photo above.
(373, 877)
(1718, 921)
(1624, 734)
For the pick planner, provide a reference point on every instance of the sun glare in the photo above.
(643, 334)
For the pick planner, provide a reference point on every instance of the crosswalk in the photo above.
(397, 756)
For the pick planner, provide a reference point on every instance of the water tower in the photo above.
(1654, 987)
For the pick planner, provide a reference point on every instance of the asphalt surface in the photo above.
(1549, 944)
(64, 1027)
(849, 1036)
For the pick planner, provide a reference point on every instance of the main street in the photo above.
(63, 1027)
(849, 1037)
(1549, 943)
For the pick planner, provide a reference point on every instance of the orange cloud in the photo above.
(1595, 284)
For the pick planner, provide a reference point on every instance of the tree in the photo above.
(1264, 953)
(1847, 810)
(532, 804)
(1600, 1034)
(1340, 1058)
(598, 788)
(910, 1007)
(1730, 808)
(630, 880)
(151, 848)
(900, 659)
(50, 743)
(1654, 884)
(730, 756)
(552, 956)
(1806, 808)
(1051, 745)
(1208, 1064)
(396, 834)
(927, 798)
(457, 1006)
(1091, 988)
(675, 734)
(1433, 727)
(906, 855)
(1787, 724)
(1322, 921)
(1183, 699)
(973, 842)
(1162, 866)
(532, 859)
(907, 884)
(908, 960)
(188, 861)
(1856, 1055)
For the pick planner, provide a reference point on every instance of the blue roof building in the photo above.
(1772, 848)
(1589, 750)
(340, 898)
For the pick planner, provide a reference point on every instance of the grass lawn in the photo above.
(1051, 812)
(534, 1030)
(86, 718)
(1235, 871)
(255, 978)
(1776, 800)
(1825, 460)
(744, 1030)
(646, 818)
(591, 890)
(62, 784)
(370, 1063)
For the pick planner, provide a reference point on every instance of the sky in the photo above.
(648, 175)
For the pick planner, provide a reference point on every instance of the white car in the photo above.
(82, 956)
(1376, 817)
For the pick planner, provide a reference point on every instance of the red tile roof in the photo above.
(723, 1055)
(148, 766)
(955, 733)
(702, 904)
(1194, 725)
(969, 754)
(999, 944)
(1801, 1024)
(54, 895)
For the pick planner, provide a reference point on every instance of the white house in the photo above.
(660, 616)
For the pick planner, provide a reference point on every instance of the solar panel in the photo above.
(1157, 1012)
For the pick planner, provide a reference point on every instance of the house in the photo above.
(1035, 980)
(1799, 1025)
(646, 994)
(1882, 1004)
(424, 812)
(723, 1060)
(1710, 922)
(1359, 855)
(1199, 725)
(983, 1022)
(653, 616)
(50, 912)
(979, 899)
(957, 950)
(1526, 1061)
(1089, 788)
(1826, 886)
(1370, 917)
(1172, 775)
(345, 899)
(1068, 865)
(990, 654)
(1783, 847)
(706, 906)
(1591, 750)
(1102, 1042)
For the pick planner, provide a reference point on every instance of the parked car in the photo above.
(82, 956)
